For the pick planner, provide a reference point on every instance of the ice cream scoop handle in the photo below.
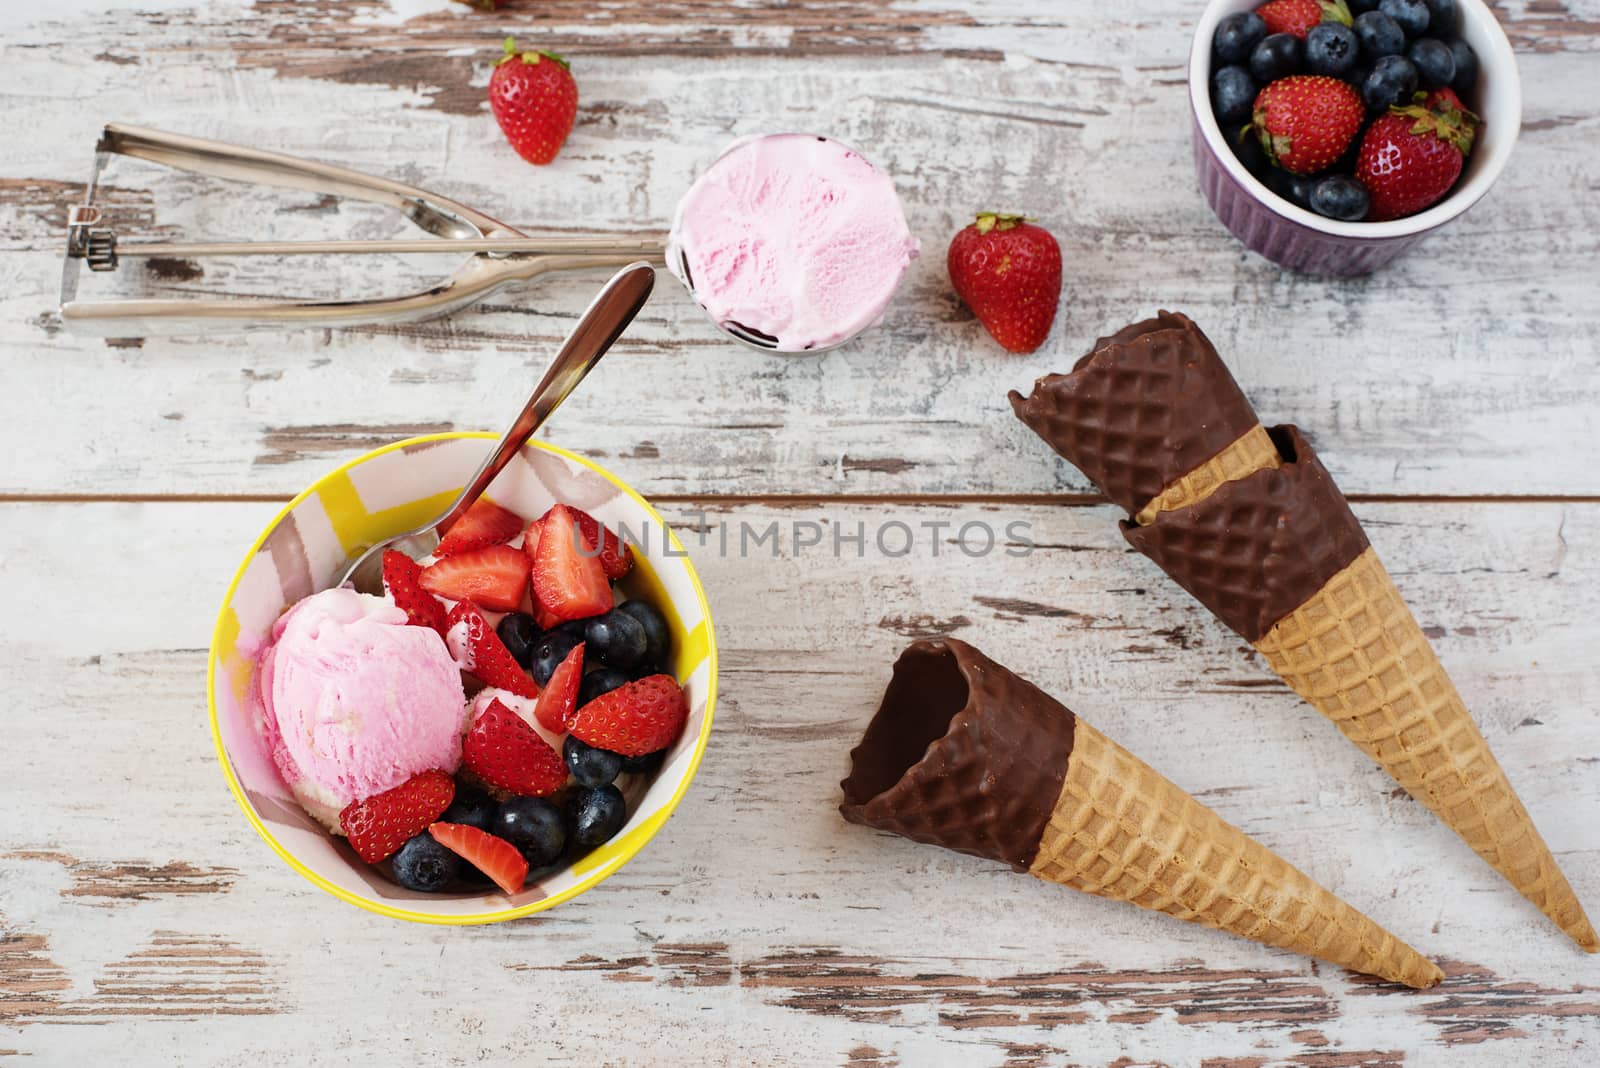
(604, 321)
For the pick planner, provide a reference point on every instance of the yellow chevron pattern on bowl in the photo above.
(389, 490)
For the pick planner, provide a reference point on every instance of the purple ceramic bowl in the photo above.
(1304, 241)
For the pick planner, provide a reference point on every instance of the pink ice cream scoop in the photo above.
(792, 241)
(353, 701)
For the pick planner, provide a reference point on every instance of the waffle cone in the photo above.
(1249, 453)
(1356, 653)
(1122, 830)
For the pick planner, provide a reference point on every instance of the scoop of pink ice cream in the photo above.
(795, 236)
(353, 701)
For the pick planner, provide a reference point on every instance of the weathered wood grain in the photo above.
(1467, 369)
(759, 928)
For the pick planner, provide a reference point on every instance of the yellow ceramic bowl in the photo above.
(382, 493)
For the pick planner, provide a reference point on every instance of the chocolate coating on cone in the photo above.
(1260, 547)
(1151, 403)
(961, 754)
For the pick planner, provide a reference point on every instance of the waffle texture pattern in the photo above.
(1356, 653)
(1252, 452)
(1123, 831)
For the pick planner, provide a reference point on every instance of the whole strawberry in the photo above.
(1298, 16)
(1411, 157)
(535, 101)
(1307, 121)
(1008, 271)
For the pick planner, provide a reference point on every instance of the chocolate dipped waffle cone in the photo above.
(1274, 552)
(966, 755)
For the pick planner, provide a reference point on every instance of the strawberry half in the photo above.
(559, 698)
(530, 547)
(495, 857)
(485, 524)
(504, 751)
(616, 556)
(636, 718)
(478, 649)
(492, 577)
(568, 583)
(400, 578)
(379, 825)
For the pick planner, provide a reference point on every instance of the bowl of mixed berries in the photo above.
(501, 727)
(1331, 135)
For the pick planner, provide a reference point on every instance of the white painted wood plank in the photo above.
(1466, 369)
(758, 927)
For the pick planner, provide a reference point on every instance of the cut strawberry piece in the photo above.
(478, 649)
(485, 524)
(504, 751)
(566, 582)
(495, 857)
(530, 545)
(400, 578)
(379, 825)
(636, 718)
(616, 556)
(491, 577)
(559, 698)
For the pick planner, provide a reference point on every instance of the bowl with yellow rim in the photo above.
(382, 493)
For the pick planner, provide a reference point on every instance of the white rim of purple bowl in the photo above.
(1499, 96)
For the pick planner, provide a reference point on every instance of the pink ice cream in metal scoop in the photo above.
(353, 701)
(792, 236)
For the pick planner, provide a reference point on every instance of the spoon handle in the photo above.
(602, 323)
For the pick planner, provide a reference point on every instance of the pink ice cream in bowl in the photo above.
(791, 242)
(322, 696)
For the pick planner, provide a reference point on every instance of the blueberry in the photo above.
(534, 826)
(598, 682)
(616, 638)
(1380, 35)
(1361, 7)
(471, 806)
(1435, 65)
(644, 765)
(643, 670)
(1236, 35)
(1338, 196)
(590, 766)
(1357, 77)
(1276, 56)
(1411, 15)
(1441, 16)
(657, 634)
(1233, 94)
(519, 633)
(1331, 49)
(1247, 146)
(1295, 188)
(423, 864)
(1466, 67)
(548, 652)
(1392, 81)
(574, 627)
(598, 813)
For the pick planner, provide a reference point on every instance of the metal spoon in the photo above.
(604, 321)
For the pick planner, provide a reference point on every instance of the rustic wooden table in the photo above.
(1454, 396)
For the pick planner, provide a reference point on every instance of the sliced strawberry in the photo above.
(379, 825)
(478, 649)
(636, 718)
(504, 751)
(530, 545)
(495, 857)
(616, 556)
(491, 577)
(568, 583)
(400, 578)
(559, 698)
(485, 524)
